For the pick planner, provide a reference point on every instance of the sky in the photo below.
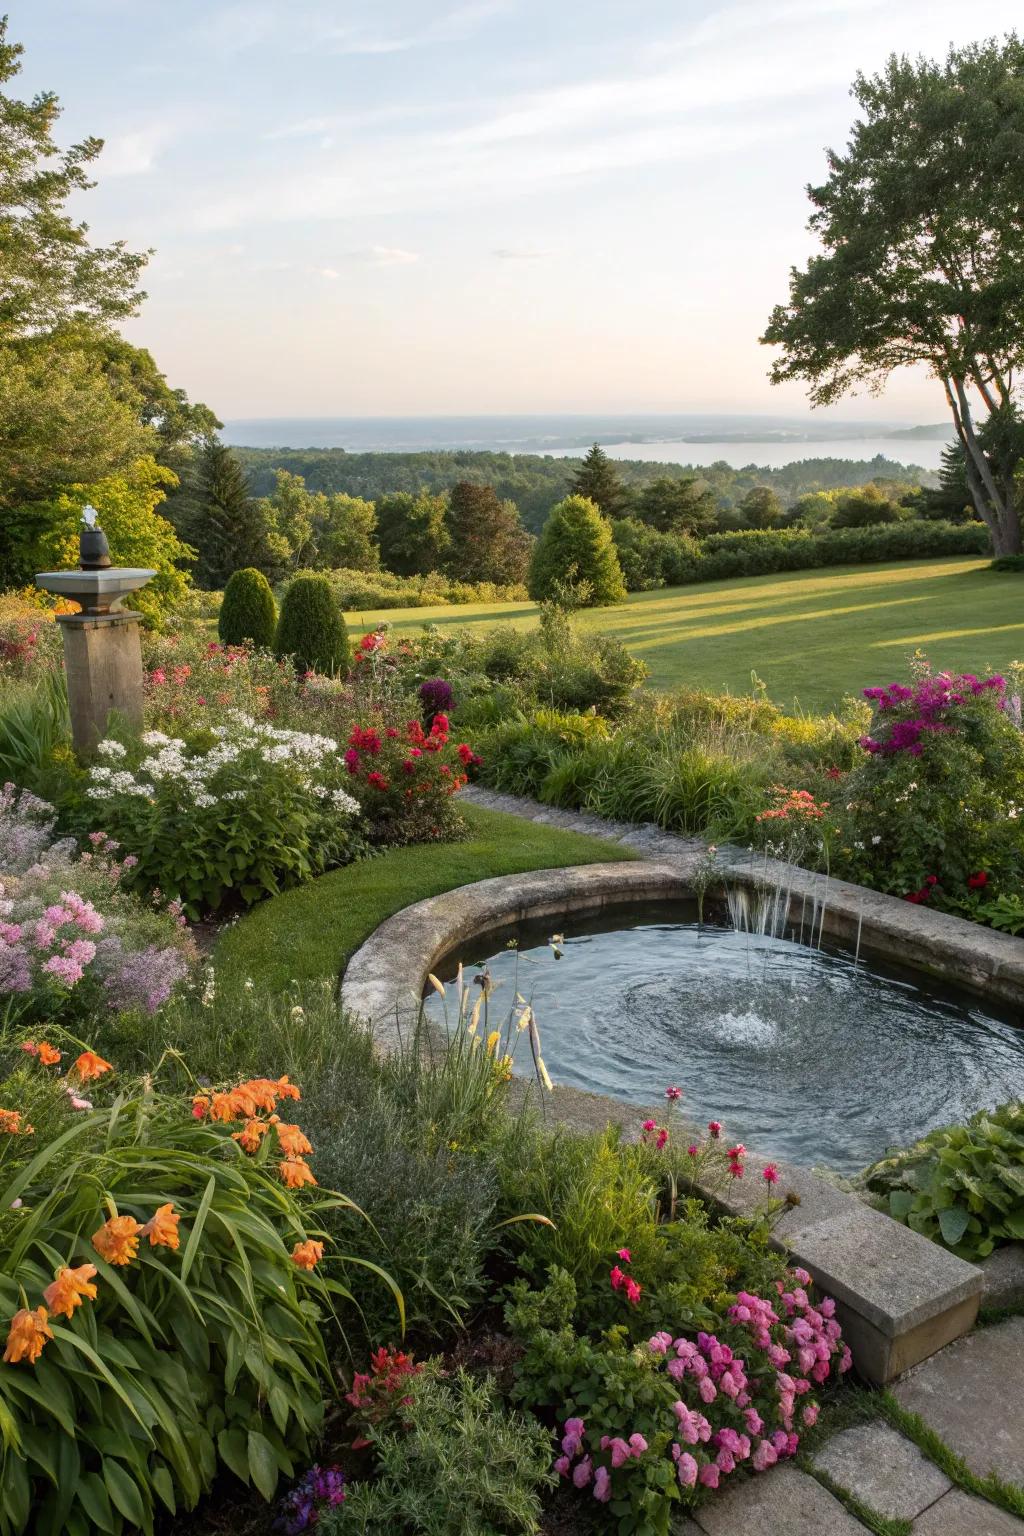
(471, 206)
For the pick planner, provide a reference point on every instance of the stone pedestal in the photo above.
(103, 658)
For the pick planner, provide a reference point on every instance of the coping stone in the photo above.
(972, 1395)
(898, 1296)
(1003, 1274)
(882, 1469)
(957, 1514)
(786, 1502)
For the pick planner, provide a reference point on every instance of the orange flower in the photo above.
(10, 1121)
(27, 1335)
(286, 1090)
(307, 1255)
(162, 1228)
(117, 1240)
(295, 1172)
(89, 1065)
(292, 1142)
(48, 1054)
(67, 1290)
(251, 1135)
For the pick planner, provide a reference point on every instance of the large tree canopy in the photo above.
(921, 223)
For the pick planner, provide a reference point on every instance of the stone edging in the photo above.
(900, 1297)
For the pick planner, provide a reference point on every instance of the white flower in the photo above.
(345, 803)
(110, 748)
(859, 847)
(876, 840)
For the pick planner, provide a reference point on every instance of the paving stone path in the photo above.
(971, 1394)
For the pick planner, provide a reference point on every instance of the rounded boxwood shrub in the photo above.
(576, 550)
(248, 611)
(311, 628)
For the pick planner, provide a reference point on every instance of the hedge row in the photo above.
(666, 561)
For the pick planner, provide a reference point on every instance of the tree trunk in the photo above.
(997, 511)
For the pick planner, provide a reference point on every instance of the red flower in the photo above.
(770, 1173)
(617, 1278)
(465, 752)
(377, 780)
(979, 881)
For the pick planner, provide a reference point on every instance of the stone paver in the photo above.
(1003, 1272)
(959, 1515)
(782, 1502)
(972, 1395)
(883, 1470)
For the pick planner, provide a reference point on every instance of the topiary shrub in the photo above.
(576, 550)
(248, 611)
(311, 628)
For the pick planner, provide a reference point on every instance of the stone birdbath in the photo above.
(102, 644)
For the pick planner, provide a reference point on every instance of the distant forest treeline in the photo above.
(536, 483)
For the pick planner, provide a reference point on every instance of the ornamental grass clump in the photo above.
(164, 1284)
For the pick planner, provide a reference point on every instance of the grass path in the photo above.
(812, 636)
(309, 933)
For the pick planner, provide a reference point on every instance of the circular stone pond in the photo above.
(811, 1055)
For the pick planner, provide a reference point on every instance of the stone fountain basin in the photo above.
(96, 592)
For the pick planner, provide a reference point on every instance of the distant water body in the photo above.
(691, 439)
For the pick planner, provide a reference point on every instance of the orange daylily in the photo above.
(27, 1335)
(162, 1228)
(307, 1255)
(295, 1172)
(292, 1141)
(89, 1065)
(117, 1240)
(48, 1054)
(10, 1122)
(250, 1136)
(68, 1288)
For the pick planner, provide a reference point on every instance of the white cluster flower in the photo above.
(111, 748)
(345, 803)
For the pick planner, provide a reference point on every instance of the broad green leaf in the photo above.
(125, 1494)
(262, 1463)
(953, 1224)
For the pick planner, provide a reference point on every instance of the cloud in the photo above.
(389, 256)
(506, 253)
(131, 153)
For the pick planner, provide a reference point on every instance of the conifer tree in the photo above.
(600, 482)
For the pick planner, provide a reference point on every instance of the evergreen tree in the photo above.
(248, 611)
(227, 528)
(678, 506)
(600, 482)
(575, 553)
(487, 541)
(311, 629)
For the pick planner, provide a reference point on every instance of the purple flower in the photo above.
(436, 697)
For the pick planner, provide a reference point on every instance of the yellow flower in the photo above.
(27, 1335)
(492, 1041)
(68, 1288)
(307, 1255)
(117, 1240)
(162, 1228)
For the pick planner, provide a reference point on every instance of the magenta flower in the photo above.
(672, 1094)
(625, 1255)
(602, 1485)
(770, 1173)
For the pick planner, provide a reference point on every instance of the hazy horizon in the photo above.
(486, 206)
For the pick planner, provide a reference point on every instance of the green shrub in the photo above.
(962, 1186)
(1008, 563)
(311, 628)
(248, 612)
(356, 590)
(761, 552)
(246, 811)
(461, 1464)
(650, 558)
(576, 550)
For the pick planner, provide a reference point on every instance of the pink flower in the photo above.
(672, 1094)
(692, 1151)
(686, 1467)
(649, 1125)
(662, 1139)
(572, 1440)
(583, 1472)
(637, 1445)
(602, 1485)
(709, 1475)
(715, 1127)
(633, 1292)
(66, 971)
(770, 1173)
(620, 1451)
(810, 1414)
(765, 1456)
(158, 675)
(562, 1466)
(625, 1255)
(617, 1278)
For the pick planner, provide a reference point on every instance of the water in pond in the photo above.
(803, 1054)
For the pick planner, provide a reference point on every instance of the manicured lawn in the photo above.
(811, 636)
(310, 932)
